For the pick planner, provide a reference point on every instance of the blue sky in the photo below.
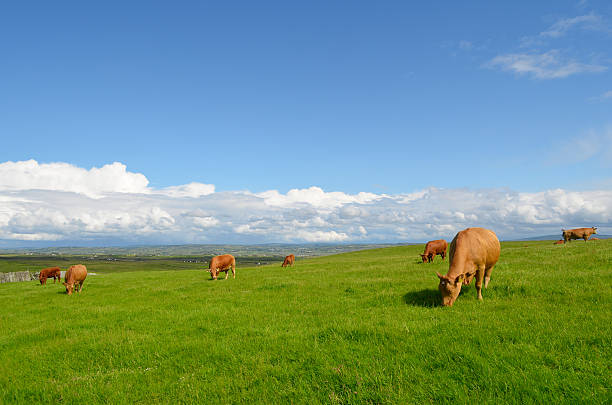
(376, 97)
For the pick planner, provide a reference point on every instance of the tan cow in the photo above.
(473, 252)
(222, 263)
(50, 272)
(433, 248)
(75, 277)
(578, 233)
(289, 260)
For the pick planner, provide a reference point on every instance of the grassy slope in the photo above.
(352, 328)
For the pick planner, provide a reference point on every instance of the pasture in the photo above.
(361, 327)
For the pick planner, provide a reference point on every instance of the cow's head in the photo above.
(213, 273)
(424, 257)
(69, 288)
(450, 288)
(594, 229)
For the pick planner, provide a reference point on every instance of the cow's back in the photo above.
(475, 245)
(49, 272)
(436, 246)
(221, 262)
(75, 273)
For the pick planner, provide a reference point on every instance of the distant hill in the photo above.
(558, 237)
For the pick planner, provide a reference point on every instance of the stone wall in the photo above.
(17, 276)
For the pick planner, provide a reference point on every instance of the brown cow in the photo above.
(289, 260)
(50, 272)
(222, 263)
(75, 277)
(433, 248)
(578, 233)
(473, 252)
(559, 242)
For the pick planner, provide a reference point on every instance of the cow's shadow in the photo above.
(428, 298)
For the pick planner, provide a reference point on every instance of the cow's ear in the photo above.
(459, 279)
(65, 284)
(440, 276)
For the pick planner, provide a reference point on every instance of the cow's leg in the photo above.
(479, 278)
(487, 277)
(226, 273)
(233, 271)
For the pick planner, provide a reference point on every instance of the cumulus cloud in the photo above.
(547, 65)
(197, 214)
(94, 183)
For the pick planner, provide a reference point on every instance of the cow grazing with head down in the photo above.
(578, 233)
(473, 252)
(222, 263)
(433, 248)
(50, 272)
(75, 277)
(289, 260)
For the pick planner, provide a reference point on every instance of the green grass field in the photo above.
(362, 327)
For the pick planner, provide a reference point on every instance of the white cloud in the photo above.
(547, 65)
(552, 64)
(314, 196)
(465, 45)
(591, 22)
(301, 215)
(603, 97)
(94, 183)
(192, 190)
(591, 144)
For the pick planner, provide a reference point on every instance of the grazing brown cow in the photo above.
(433, 248)
(578, 233)
(50, 272)
(289, 260)
(559, 242)
(222, 263)
(473, 252)
(75, 277)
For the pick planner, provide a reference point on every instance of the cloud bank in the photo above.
(59, 203)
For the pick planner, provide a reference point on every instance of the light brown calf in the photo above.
(433, 248)
(289, 260)
(222, 263)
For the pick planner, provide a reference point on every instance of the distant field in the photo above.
(117, 263)
(361, 327)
